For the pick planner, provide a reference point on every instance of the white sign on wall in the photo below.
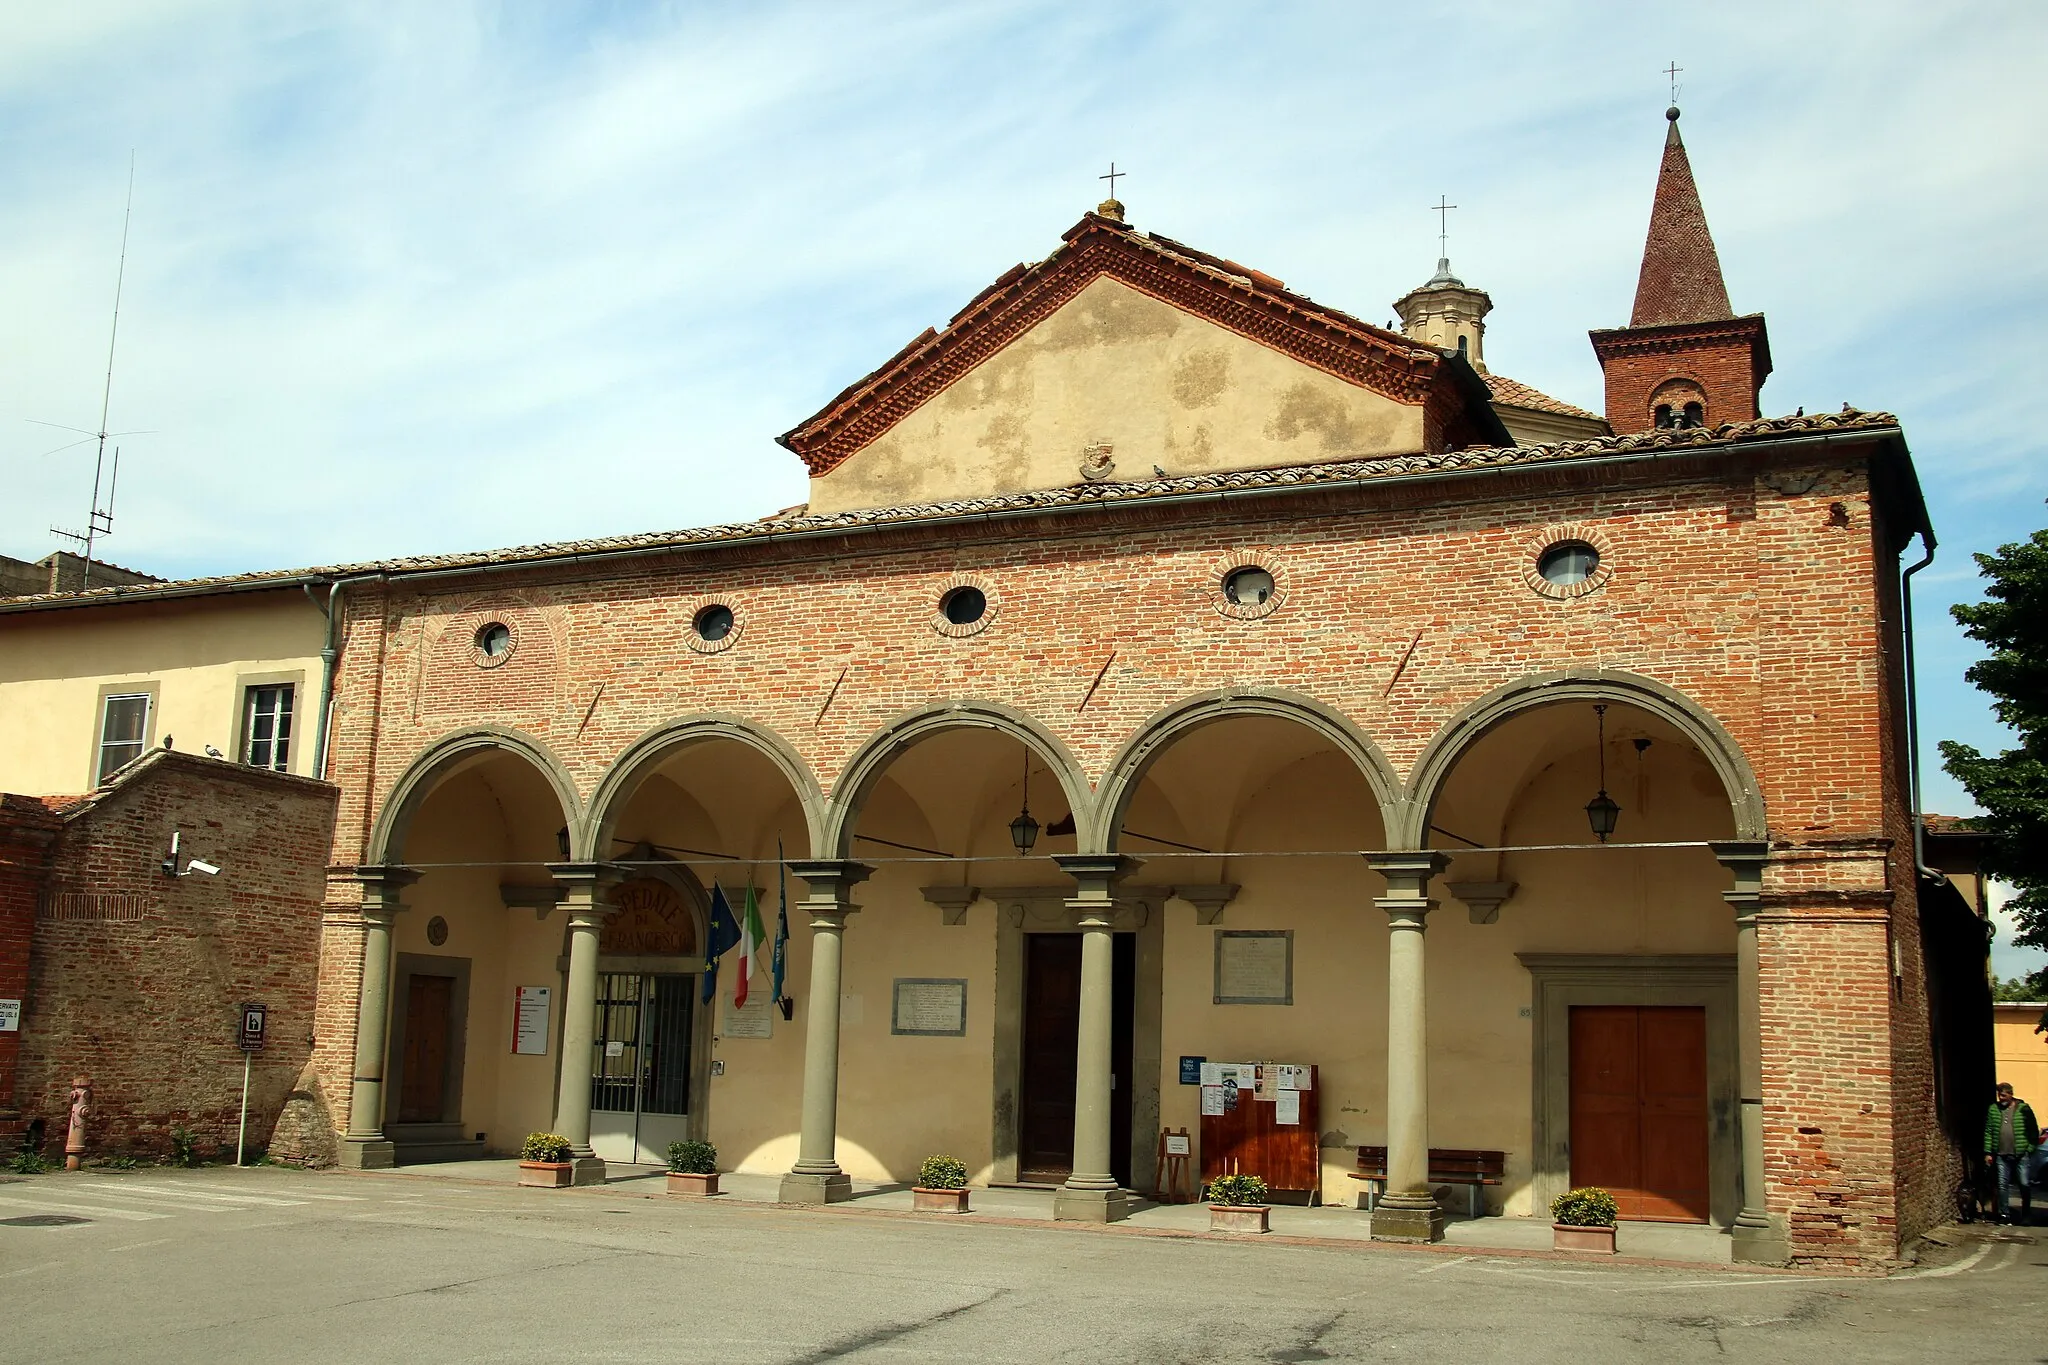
(530, 1009)
(10, 1016)
(755, 1020)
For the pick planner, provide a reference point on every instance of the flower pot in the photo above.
(547, 1175)
(1238, 1217)
(693, 1183)
(1566, 1237)
(938, 1201)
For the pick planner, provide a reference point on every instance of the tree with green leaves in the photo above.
(2012, 787)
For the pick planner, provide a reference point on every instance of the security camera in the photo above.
(197, 866)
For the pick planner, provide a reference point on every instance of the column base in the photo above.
(368, 1154)
(1767, 1243)
(1407, 1218)
(804, 1187)
(1070, 1205)
(586, 1170)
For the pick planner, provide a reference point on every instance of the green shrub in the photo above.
(693, 1158)
(942, 1173)
(28, 1161)
(544, 1147)
(1589, 1207)
(121, 1163)
(185, 1148)
(1241, 1190)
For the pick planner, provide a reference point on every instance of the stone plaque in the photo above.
(1254, 966)
(651, 921)
(933, 1007)
(754, 1020)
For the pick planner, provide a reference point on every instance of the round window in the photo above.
(713, 623)
(1567, 563)
(494, 641)
(964, 606)
(1250, 586)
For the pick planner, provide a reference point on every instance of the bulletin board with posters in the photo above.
(1264, 1119)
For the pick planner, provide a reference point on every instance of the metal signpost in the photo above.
(249, 1038)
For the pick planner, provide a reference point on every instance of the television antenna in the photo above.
(99, 520)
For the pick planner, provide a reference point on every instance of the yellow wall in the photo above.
(2022, 1053)
(198, 651)
(1114, 365)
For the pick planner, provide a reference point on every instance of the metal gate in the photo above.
(640, 1070)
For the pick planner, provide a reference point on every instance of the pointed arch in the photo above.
(441, 758)
(1104, 822)
(663, 742)
(1440, 759)
(850, 791)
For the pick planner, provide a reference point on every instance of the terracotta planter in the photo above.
(547, 1175)
(1238, 1217)
(691, 1183)
(938, 1201)
(1565, 1237)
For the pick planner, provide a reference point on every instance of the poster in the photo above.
(530, 1013)
(1191, 1069)
(1212, 1073)
(1212, 1101)
(1287, 1107)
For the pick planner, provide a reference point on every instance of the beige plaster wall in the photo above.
(55, 666)
(2022, 1053)
(1114, 365)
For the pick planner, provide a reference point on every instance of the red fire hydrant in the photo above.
(74, 1141)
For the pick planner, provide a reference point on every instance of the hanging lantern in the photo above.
(1024, 829)
(1601, 811)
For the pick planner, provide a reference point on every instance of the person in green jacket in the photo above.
(2010, 1136)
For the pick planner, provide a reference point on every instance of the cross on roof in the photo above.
(1672, 71)
(1113, 176)
(1442, 209)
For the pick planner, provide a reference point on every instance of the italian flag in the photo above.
(753, 942)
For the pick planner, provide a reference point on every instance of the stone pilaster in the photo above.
(1757, 1236)
(828, 900)
(1408, 1212)
(364, 1145)
(1091, 1194)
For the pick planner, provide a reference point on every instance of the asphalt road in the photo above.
(272, 1265)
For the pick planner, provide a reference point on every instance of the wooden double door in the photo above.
(1639, 1108)
(425, 1063)
(1052, 1025)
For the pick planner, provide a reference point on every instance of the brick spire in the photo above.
(1681, 279)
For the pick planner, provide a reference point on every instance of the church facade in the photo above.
(1171, 669)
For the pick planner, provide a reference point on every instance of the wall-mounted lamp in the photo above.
(562, 842)
(1601, 811)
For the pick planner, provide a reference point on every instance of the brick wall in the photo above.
(28, 837)
(135, 976)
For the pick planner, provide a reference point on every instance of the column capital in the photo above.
(1097, 874)
(1406, 867)
(829, 882)
(382, 886)
(1745, 858)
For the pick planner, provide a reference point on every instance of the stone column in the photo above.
(1757, 1236)
(583, 889)
(1408, 1212)
(364, 1145)
(1091, 1194)
(828, 900)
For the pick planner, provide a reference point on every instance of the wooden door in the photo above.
(422, 1094)
(1639, 1108)
(1052, 1021)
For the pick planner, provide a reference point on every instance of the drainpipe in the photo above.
(329, 653)
(1913, 706)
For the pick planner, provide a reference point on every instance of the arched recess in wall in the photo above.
(1687, 718)
(1104, 824)
(472, 747)
(701, 743)
(868, 767)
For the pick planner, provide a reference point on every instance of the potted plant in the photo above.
(544, 1161)
(1583, 1220)
(1237, 1203)
(692, 1168)
(941, 1186)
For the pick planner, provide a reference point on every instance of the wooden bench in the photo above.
(1471, 1167)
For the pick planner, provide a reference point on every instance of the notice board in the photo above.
(1251, 1132)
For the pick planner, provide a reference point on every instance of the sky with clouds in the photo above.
(407, 278)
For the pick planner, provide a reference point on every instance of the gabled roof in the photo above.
(1246, 301)
(1510, 393)
(1681, 276)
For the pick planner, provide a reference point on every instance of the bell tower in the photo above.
(1685, 359)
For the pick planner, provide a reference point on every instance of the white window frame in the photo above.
(144, 692)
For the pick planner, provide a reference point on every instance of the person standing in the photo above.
(2010, 1136)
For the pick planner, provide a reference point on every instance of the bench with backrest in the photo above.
(1471, 1167)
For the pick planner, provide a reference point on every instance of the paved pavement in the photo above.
(253, 1265)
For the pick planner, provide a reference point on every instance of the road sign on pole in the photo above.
(249, 1038)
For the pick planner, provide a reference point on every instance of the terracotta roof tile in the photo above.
(1515, 394)
(1681, 276)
